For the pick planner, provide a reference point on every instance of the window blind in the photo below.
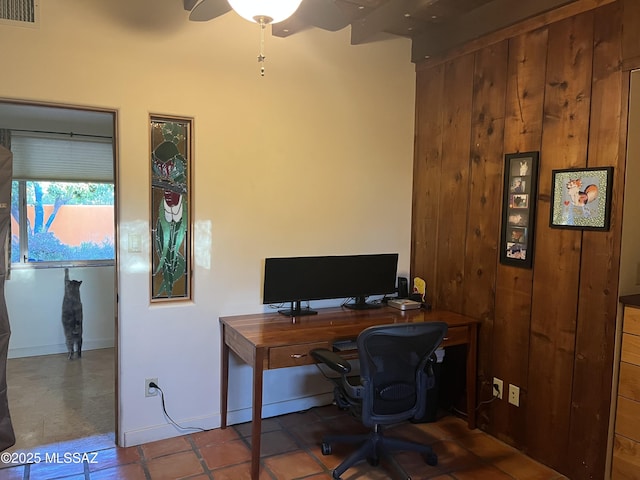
(18, 10)
(61, 159)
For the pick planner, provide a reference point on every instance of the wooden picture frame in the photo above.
(518, 209)
(171, 230)
(581, 198)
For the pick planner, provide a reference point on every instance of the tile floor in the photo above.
(54, 399)
(290, 445)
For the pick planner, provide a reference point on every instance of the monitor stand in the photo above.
(296, 310)
(361, 304)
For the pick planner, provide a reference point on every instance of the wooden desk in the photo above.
(270, 340)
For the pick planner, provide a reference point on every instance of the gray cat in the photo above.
(72, 314)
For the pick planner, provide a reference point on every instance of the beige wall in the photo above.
(314, 158)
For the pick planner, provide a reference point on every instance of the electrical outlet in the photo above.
(497, 387)
(148, 390)
(514, 395)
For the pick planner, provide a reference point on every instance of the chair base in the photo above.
(374, 447)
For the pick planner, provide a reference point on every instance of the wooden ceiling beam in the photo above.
(387, 16)
(483, 20)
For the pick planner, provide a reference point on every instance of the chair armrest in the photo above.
(332, 360)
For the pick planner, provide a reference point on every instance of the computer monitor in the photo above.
(298, 279)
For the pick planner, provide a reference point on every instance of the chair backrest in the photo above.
(393, 369)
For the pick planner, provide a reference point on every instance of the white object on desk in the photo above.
(404, 304)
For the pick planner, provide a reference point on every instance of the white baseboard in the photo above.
(59, 348)
(167, 430)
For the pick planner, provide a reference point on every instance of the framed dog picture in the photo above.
(581, 198)
(518, 209)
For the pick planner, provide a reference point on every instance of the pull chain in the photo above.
(261, 56)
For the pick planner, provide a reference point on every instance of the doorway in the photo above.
(63, 220)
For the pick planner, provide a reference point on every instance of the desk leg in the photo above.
(256, 421)
(224, 381)
(472, 353)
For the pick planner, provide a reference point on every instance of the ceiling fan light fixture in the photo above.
(265, 11)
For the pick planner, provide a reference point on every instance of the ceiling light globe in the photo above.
(271, 11)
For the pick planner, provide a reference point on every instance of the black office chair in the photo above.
(395, 374)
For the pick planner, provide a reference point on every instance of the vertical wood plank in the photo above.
(557, 261)
(487, 134)
(523, 132)
(454, 182)
(600, 260)
(631, 33)
(426, 173)
(566, 97)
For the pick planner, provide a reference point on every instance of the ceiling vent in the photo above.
(19, 12)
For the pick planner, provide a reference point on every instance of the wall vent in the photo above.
(19, 12)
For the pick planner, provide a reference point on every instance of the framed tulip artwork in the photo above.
(171, 158)
(519, 208)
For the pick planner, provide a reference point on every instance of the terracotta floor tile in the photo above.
(226, 454)
(214, 437)
(113, 457)
(482, 472)
(268, 425)
(447, 428)
(275, 443)
(133, 471)
(451, 457)
(490, 449)
(309, 434)
(295, 419)
(328, 411)
(413, 433)
(239, 472)
(364, 471)
(293, 465)
(174, 467)
(165, 447)
(521, 467)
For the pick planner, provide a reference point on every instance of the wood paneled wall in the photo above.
(560, 89)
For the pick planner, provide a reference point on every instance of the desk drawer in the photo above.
(631, 320)
(293, 355)
(456, 336)
(630, 348)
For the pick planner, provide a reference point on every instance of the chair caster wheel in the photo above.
(431, 459)
(326, 448)
(335, 475)
(373, 461)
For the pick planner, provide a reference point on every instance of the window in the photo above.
(62, 200)
(62, 222)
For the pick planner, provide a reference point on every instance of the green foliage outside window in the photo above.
(45, 199)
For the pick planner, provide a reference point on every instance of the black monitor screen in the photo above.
(318, 278)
